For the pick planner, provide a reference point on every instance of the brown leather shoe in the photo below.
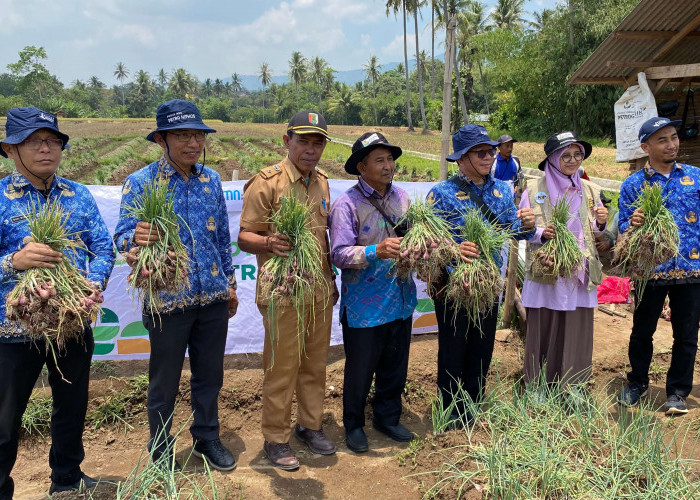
(315, 440)
(281, 455)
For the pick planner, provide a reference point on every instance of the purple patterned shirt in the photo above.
(371, 294)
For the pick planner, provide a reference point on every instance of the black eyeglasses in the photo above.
(35, 144)
(199, 136)
(568, 157)
(481, 153)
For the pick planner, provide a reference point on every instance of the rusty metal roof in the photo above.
(640, 38)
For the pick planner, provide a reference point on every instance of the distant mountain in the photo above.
(350, 77)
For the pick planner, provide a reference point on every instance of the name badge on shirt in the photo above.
(540, 197)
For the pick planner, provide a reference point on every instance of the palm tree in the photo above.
(372, 71)
(121, 73)
(297, 72)
(236, 87)
(96, 83)
(415, 6)
(162, 78)
(395, 5)
(207, 87)
(181, 83)
(265, 77)
(317, 67)
(509, 14)
(79, 84)
(343, 100)
(218, 87)
(328, 80)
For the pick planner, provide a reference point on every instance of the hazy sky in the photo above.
(208, 38)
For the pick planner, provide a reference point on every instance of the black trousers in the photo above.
(464, 352)
(20, 367)
(202, 330)
(685, 314)
(382, 351)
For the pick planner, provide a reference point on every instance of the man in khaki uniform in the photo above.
(305, 140)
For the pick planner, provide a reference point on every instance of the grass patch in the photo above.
(547, 443)
(36, 420)
(118, 406)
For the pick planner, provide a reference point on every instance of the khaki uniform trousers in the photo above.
(288, 373)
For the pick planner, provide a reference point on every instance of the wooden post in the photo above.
(511, 279)
(234, 175)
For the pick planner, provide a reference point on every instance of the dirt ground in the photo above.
(112, 452)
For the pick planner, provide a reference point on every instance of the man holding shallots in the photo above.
(376, 305)
(678, 277)
(194, 316)
(465, 347)
(296, 336)
(35, 144)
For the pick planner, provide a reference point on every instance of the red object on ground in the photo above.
(614, 290)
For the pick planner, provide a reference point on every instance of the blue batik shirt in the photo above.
(96, 259)
(451, 203)
(681, 191)
(200, 203)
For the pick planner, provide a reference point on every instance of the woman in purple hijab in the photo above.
(560, 310)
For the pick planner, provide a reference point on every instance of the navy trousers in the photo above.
(202, 330)
(20, 367)
(381, 352)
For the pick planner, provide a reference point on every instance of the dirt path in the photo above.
(112, 452)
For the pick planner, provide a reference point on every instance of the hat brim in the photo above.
(509, 140)
(191, 126)
(20, 137)
(357, 156)
(458, 154)
(309, 129)
(587, 150)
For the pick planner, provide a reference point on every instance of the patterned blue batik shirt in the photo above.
(371, 294)
(681, 191)
(95, 260)
(200, 202)
(451, 203)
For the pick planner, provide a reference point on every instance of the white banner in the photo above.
(120, 334)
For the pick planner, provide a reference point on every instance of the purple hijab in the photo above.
(559, 185)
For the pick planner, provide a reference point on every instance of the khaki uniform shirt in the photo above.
(261, 197)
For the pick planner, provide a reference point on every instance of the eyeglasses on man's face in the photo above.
(199, 136)
(35, 144)
(481, 153)
(568, 158)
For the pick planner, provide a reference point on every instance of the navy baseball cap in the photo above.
(364, 145)
(466, 138)
(654, 124)
(178, 114)
(23, 122)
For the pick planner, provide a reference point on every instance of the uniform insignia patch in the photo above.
(691, 217)
(211, 224)
(540, 197)
(497, 193)
(461, 195)
(313, 118)
(687, 181)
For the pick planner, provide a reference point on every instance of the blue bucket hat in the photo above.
(23, 122)
(466, 138)
(178, 113)
(653, 124)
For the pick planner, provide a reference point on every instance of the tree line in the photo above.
(505, 63)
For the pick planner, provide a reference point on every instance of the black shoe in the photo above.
(215, 453)
(166, 460)
(356, 440)
(396, 432)
(631, 394)
(675, 405)
(84, 483)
